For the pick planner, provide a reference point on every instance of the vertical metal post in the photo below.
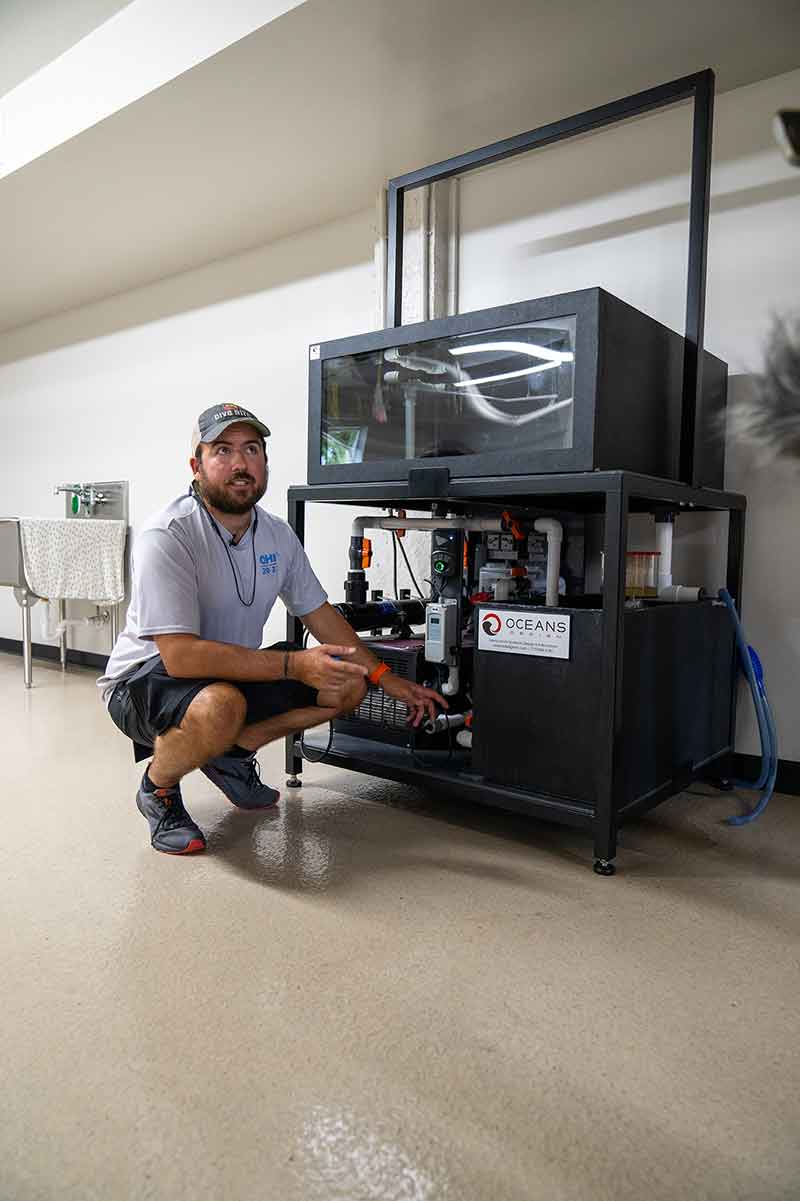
(296, 516)
(735, 564)
(702, 132)
(733, 582)
(610, 759)
(27, 650)
(62, 638)
(394, 260)
(114, 612)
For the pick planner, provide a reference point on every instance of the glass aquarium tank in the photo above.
(498, 390)
(576, 382)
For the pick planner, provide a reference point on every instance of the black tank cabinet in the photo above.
(644, 705)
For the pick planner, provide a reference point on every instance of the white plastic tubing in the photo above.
(664, 547)
(493, 524)
(543, 525)
(52, 627)
(555, 536)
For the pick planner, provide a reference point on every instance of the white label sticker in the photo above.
(519, 633)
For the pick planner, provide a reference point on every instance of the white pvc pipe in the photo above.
(450, 686)
(681, 592)
(555, 536)
(444, 721)
(493, 524)
(664, 547)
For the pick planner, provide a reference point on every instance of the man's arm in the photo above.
(328, 625)
(186, 656)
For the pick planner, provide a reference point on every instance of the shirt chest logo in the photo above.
(269, 563)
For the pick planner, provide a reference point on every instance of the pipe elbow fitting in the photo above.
(450, 686)
(550, 526)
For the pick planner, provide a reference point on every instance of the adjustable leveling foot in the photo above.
(294, 782)
(604, 867)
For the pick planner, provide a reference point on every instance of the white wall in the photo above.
(611, 210)
(111, 391)
(122, 406)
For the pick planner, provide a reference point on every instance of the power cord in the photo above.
(316, 758)
(408, 565)
(394, 562)
(303, 748)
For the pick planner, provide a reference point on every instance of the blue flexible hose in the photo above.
(754, 673)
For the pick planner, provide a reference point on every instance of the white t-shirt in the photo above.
(182, 583)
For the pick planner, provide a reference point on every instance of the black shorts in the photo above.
(151, 701)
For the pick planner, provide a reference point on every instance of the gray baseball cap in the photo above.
(213, 421)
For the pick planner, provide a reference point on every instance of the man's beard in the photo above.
(219, 497)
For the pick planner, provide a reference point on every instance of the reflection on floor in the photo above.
(379, 994)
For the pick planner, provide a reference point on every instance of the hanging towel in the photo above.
(79, 558)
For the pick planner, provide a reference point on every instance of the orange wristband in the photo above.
(377, 672)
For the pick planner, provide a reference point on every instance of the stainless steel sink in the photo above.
(11, 570)
(113, 495)
(12, 575)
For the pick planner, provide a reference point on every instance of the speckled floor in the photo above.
(380, 995)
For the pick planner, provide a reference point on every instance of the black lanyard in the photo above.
(194, 492)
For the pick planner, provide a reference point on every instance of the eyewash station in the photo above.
(586, 683)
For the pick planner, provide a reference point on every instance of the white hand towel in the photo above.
(78, 558)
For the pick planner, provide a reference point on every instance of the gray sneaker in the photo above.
(240, 780)
(171, 828)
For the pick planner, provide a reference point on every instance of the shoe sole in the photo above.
(194, 846)
(253, 808)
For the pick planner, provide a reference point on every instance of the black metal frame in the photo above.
(699, 88)
(616, 494)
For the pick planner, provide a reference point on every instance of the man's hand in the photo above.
(319, 669)
(420, 700)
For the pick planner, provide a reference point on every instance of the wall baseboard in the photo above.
(13, 646)
(747, 767)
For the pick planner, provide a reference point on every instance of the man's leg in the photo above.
(210, 726)
(332, 703)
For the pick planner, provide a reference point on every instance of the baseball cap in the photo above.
(213, 421)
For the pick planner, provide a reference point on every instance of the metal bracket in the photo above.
(428, 483)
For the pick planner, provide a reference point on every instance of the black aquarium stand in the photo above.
(642, 673)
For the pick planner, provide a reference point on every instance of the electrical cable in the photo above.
(754, 673)
(316, 758)
(394, 562)
(303, 748)
(408, 565)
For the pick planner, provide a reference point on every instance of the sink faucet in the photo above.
(83, 494)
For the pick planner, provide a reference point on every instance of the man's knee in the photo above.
(353, 695)
(219, 710)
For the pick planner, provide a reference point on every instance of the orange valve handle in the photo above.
(516, 529)
(366, 553)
